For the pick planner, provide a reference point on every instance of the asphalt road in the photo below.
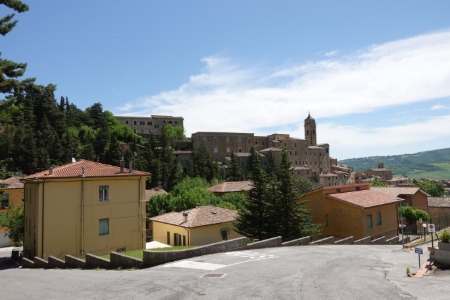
(307, 272)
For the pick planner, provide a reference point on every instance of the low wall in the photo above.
(379, 241)
(347, 241)
(73, 262)
(363, 241)
(40, 263)
(94, 261)
(154, 258)
(118, 260)
(27, 263)
(298, 242)
(54, 262)
(272, 242)
(327, 240)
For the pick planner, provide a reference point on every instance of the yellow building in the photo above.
(84, 207)
(11, 193)
(353, 210)
(202, 225)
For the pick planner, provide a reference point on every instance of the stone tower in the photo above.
(310, 131)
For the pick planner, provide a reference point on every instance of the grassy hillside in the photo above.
(433, 164)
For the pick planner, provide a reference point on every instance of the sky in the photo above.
(375, 75)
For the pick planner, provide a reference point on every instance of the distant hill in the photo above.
(433, 164)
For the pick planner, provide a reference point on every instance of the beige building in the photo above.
(381, 172)
(308, 159)
(146, 126)
(202, 225)
(84, 207)
(439, 209)
(11, 194)
(353, 210)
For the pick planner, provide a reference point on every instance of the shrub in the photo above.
(445, 236)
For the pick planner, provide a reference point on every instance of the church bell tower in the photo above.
(310, 131)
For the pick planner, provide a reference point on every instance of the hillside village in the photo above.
(109, 205)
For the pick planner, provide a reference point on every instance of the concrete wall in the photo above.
(273, 242)
(58, 203)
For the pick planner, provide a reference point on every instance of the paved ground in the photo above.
(308, 272)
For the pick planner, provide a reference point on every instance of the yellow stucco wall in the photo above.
(64, 231)
(346, 220)
(196, 236)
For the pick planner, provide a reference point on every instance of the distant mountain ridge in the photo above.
(434, 164)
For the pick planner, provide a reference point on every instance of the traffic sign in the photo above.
(431, 228)
(418, 250)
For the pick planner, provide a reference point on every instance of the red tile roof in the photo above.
(231, 186)
(199, 216)
(12, 183)
(154, 192)
(365, 198)
(397, 190)
(90, 169)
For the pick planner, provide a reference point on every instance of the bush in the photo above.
(445, 236)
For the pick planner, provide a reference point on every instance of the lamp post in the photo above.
(401, 225)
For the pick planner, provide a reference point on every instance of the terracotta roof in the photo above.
(199, 216)
(365, 198)
(12, 183)
(231, 186)
(396, 190)
(154, 192)
(91, 169)
(439, 201)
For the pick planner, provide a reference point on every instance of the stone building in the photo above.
(146, 126)
(308, 159)
(384, 174)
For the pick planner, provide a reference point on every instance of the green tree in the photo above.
(378, 182)
(235, 171)
(13, 221)
(412, 215)
(433, 188)
(252, 217)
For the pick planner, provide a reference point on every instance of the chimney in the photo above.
(380, 165)
(131, 166)
(50, 170)
(185, 215)
(122, 162)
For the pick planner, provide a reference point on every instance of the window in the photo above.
(126, 122)
(149, 123)
(141, 122)
(227, 139)
(184, 240)
(4, 200)
(369, 221)
(134, 122)
(103, 226)
(228, 149)
(224, 234)
(168, 237)
(378, 217)
(103, 193)
(215, 149)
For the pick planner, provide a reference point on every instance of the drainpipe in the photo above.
(43, 196)
(82, 212)
(140, 217)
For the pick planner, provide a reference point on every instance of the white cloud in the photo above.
(226, 96)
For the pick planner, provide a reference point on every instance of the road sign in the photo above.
(431, 228)
(418, 250)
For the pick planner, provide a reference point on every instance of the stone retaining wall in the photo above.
(154, 258)
(272, 242)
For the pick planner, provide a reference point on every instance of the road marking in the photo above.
(251, 255)
(189, 264)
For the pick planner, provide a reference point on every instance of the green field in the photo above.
(433, 164)
(443, 172)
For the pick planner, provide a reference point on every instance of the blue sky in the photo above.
(374, 74)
